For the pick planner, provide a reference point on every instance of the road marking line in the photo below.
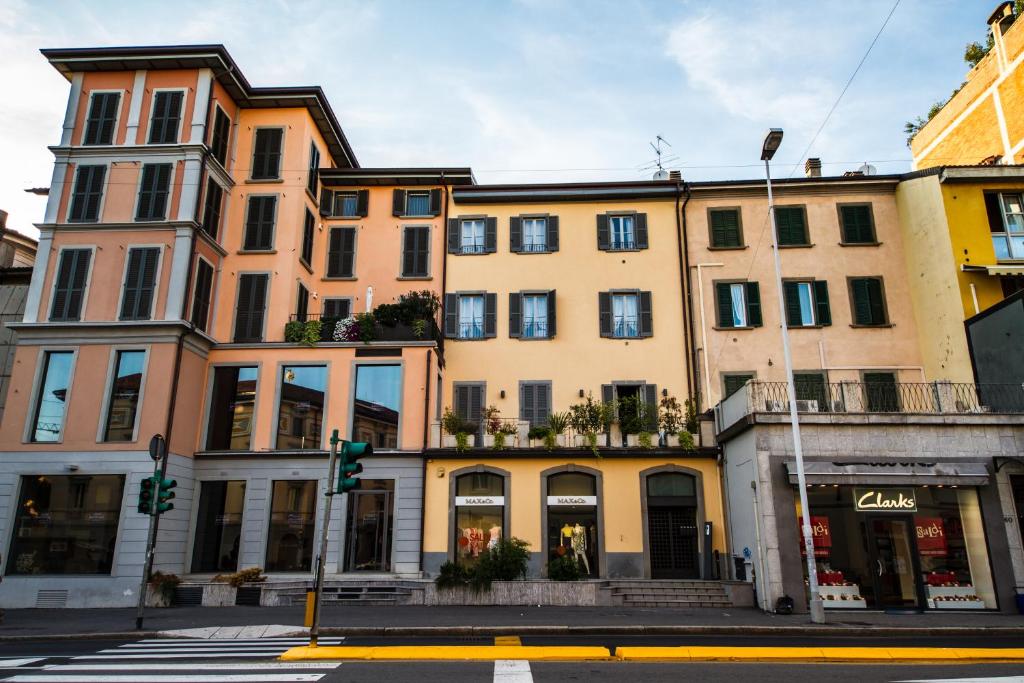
(14, 663)
(213, 666)
(190, 655)
(512, 671)
(996, 679)
(196, 650)
(298, 639)
(819, 654)
(478, 653)
(199, 678)
(507, 640)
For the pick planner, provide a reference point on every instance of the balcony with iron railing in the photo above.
(870, 398)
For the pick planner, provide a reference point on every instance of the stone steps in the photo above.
(678, 593)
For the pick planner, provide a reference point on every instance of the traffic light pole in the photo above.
(154, 520)
(321, 560)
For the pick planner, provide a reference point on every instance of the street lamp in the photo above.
(772, 140)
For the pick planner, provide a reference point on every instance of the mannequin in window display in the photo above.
(495, 532)
(579, 545)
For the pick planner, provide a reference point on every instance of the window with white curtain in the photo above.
(472, 236)
(535, 234)
(621, 229)
(739, 304)
(471, 316)
(625, 315)
(535, 315)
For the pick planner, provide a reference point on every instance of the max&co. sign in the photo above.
(884, 500)
(572, 500)
(479, 500)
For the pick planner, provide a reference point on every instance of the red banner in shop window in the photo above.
(931, 536)
(821, 536)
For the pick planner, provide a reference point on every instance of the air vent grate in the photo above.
(52, 598)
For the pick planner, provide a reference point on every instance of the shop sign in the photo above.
(821, 535)
(931, 536)
(479, 500)
(884, 500)
(572, 500)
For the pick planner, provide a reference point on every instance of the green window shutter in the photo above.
(724, 304)
(867, 301)
(858, 226)
(734, 383)
(876, 301)
(754, 305)
(822, 311)
(790, 225)
(725, 228)
(791, 291)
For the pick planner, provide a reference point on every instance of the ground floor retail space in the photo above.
(613, 517)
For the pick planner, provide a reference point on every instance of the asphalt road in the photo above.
(205, 661)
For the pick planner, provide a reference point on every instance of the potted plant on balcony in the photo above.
(491, 418)
(588, 419)
(635, 418)
(670, 419)
(538, 436)
(557, 424)
(458, 433)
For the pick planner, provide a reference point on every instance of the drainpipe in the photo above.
(444, 267)
(689, 304)
(426, 432)
(683, 255)
(703, 325)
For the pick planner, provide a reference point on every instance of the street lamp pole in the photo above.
(772, 140)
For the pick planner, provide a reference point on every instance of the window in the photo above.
(51, 397)
(308, 231)
(479, 514)
(622, 232)
(535, 402)
(153, 191)
(336, 308)
(625, 315)
(531, 315)
(347, 204)
(266, 158)
(302, 303)
(123, 403)
(252, 302)
(469, 403)
(300, 412)
(1006, 221)
(807, 303)
(739, 304)
(881, 392)
(99, 125)
(341, 253)
(378, 405)
(218, 526)
(417, 204)
(416, 252)
(535, 234)
(812, 387)
(139, 283)
(66, 524)
(69, 290)
(232, 403)
(313, 181)
(857, 224)
(292, 520)
(163, 125)
(573, 531)
(734, 382)
(212, 208)
(791, 226)
(471, 316)
(867, 298)
(472, 236)
(221, 136)
(201, 294)
(259, 223)
(87, 194)
(726, 229)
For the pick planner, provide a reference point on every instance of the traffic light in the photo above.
(146, 491)
(164, 494)
(351, 452)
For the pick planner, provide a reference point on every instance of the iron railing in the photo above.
(886, 397)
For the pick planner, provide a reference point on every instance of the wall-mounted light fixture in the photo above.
(581, 393)
(502, 393)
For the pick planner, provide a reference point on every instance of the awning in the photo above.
(1001, 269)
(892, 473)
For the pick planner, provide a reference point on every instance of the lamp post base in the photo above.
(817, 611)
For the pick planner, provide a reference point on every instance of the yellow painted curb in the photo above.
(818, 654)
(485, 653)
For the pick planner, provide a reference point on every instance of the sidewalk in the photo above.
(411, 620)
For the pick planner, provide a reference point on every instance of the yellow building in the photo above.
(556, 294)
(984, 121)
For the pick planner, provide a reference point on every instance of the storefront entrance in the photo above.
(370, 519)
(672, 528)
(893, 561)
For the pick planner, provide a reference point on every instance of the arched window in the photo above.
(673, 525)
(479, 514)
(572, 520)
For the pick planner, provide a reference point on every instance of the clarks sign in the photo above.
(884, 500)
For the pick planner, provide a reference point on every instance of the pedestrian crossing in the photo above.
(154, 661)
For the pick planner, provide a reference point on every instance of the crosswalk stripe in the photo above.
(227, 642)
(512, 671)
(13, 663)
(197, 678)
(189, 655)
(212, 666)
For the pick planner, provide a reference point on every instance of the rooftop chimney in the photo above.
(675, 175)
(1001, 18)
(812, 167)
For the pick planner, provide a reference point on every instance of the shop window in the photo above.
(378, 405)
(290, 537)
(572, 526)
(300, 413)
(123, 403)
(929, 553)
(66, 524)
(479, 514)
(231, 408)
(218, 526)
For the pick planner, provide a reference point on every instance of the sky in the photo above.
(533, 90)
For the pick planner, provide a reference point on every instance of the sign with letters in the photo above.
(479, 500)
(572, 500)
(884, 500)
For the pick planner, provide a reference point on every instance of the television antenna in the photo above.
(661, 173)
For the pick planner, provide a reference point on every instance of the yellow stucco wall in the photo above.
(578, 357)
(622, 523)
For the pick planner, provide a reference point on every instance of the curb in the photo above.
(97, 635)
(465, 653)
